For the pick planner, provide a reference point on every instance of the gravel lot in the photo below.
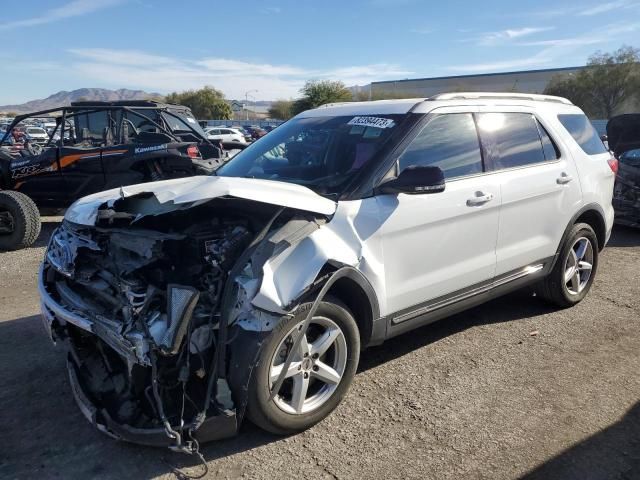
(479, 395)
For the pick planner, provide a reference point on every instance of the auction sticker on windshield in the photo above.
(372, 122)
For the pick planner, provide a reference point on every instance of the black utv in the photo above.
(94, 146)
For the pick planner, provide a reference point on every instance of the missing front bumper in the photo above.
(215, 427)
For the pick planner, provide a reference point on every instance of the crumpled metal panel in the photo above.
(350, 238)
(185, 192)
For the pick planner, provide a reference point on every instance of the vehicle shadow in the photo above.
(515, 306)
(614, 452)
(624, 237)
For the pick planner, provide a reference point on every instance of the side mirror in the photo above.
(415, 180)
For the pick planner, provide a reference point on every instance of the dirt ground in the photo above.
(476, 396)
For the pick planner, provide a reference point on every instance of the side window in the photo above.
(580, 128)
(513, 137)
(90, 127)
(449, 141)
(550, 149)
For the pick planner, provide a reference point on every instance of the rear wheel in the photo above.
(19, 220)
(574, 272)
(318, 377)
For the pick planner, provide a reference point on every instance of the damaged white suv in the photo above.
(186, 304)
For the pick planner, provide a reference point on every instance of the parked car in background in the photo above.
(255, 132)
(37, 135)
(623, 134)
(225, 134)
(253, 291)
(245, 133)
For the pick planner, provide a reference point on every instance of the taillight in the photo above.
(193, 151)
(613, 164)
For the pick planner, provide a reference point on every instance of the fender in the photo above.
(358, 277)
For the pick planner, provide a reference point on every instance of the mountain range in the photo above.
(63, 98)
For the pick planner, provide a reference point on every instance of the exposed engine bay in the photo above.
(155, 310)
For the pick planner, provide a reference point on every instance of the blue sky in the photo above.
(273, 46)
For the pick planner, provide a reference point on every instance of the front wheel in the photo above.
(574, 272)
(319, 375)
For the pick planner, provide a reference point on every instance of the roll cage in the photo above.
(132, 108)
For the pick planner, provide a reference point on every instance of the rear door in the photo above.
(539, 186)
(437, 245)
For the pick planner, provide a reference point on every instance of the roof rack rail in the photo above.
(498, 95)
(334, 104)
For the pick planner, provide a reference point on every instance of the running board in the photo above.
(525, 272)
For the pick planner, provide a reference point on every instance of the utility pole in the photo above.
(246, 101)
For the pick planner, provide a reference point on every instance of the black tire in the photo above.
(25, 217)
(264, 412)
(553, 288)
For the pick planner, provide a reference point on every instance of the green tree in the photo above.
(608, 81)
(320, 92)
(205, 103)
(281, 109)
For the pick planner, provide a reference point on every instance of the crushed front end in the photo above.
(160, 341)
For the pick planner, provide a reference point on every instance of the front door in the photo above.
(443, 243)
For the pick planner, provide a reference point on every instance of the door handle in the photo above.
(479, 199)
(563, 179)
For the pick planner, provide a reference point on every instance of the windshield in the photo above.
(320, 152)
(181, 122)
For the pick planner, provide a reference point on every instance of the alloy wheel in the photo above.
(316, 369)
(578, 266)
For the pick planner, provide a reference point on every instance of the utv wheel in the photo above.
(319, 375)
(19, 220)
(574, 272)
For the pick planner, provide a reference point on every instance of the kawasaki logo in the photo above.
(153, 148)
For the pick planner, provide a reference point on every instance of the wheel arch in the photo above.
(591, 214)
(595, 219)
(355, 291)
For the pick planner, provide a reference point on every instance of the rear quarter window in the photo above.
(580, 128)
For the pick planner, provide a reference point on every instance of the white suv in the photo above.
(190, 302)
(225, 134)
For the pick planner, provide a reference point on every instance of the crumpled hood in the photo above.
(201, 189)
(623, 133)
